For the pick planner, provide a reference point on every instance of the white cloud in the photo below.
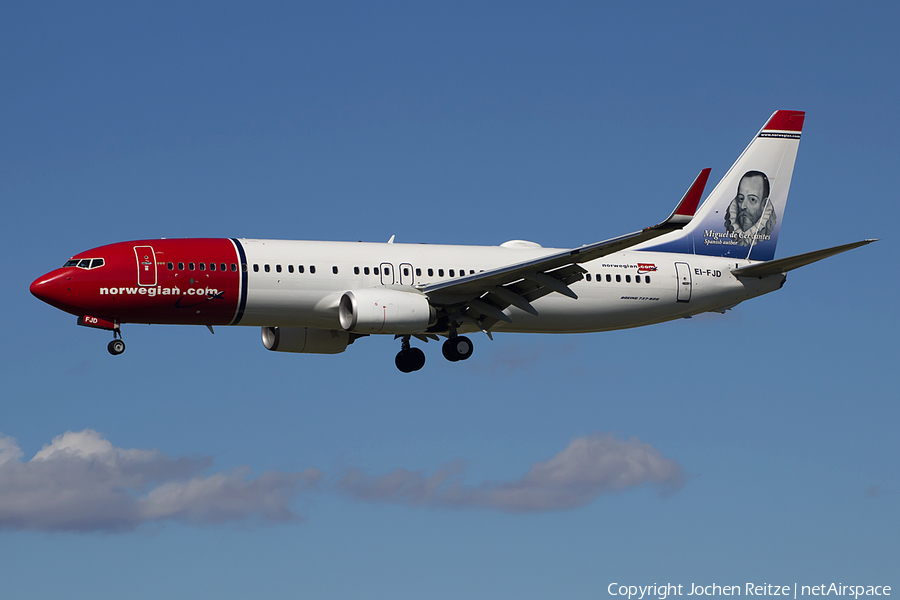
(9, 450)
(81, 482)
(588, 467)
(90, 445)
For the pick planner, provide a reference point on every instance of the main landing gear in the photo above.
(409, 359)
(457, 348)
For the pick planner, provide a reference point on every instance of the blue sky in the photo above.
(471, 123)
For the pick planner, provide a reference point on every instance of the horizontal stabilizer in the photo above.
(783, 265)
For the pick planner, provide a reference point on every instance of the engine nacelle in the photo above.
(305, 339)
(384, 310)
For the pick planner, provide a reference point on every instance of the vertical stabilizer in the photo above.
(742, 216)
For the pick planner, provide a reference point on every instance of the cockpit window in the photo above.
(84, 263)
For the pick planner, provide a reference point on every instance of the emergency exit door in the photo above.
(387, 274)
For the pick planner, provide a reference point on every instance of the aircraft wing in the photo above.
(483, 296)
(783, 265)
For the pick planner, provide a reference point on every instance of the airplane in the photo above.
(320, 297)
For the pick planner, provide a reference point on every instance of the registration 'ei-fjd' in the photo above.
(319, 297)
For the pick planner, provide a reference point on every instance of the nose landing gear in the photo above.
(117, 346)
(409, 359)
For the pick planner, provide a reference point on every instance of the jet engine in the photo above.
(305, 339)
(383, 310)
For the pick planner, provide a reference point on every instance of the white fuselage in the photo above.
(626, 289)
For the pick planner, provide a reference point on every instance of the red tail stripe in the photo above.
(786, 120)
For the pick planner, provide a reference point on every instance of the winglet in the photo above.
(685, 210)
(688, 205)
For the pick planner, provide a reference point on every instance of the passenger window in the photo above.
(628, 279)
(190, 266)
(405, 272)
(290, 268)
(170, 266)
(637, 278)
(256, 268)
(334, 270)
(212, 266)
(97, 262)
(647, 279)
(431, 272)
(356, 270)
(181, 266)
(234, 267)
(312, 269)
(608, 277)
(266, 268)
(471, 271)
(387, 271)
(366, 270)
(418, 272)
(451, 272)
(618, 279)
(202, 266)
(440, 272)
(278, 268)
(588, 276)
(375, 270)
(244, 267)
(300, 269)
(222, 267)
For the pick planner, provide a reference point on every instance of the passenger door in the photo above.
(146, 265)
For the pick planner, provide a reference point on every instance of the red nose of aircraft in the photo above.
(51, 288)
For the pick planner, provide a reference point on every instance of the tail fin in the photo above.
(741, 217)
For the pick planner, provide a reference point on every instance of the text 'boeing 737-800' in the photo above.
(319, 297)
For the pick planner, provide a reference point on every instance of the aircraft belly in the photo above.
(596, 310)
(281, 303)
